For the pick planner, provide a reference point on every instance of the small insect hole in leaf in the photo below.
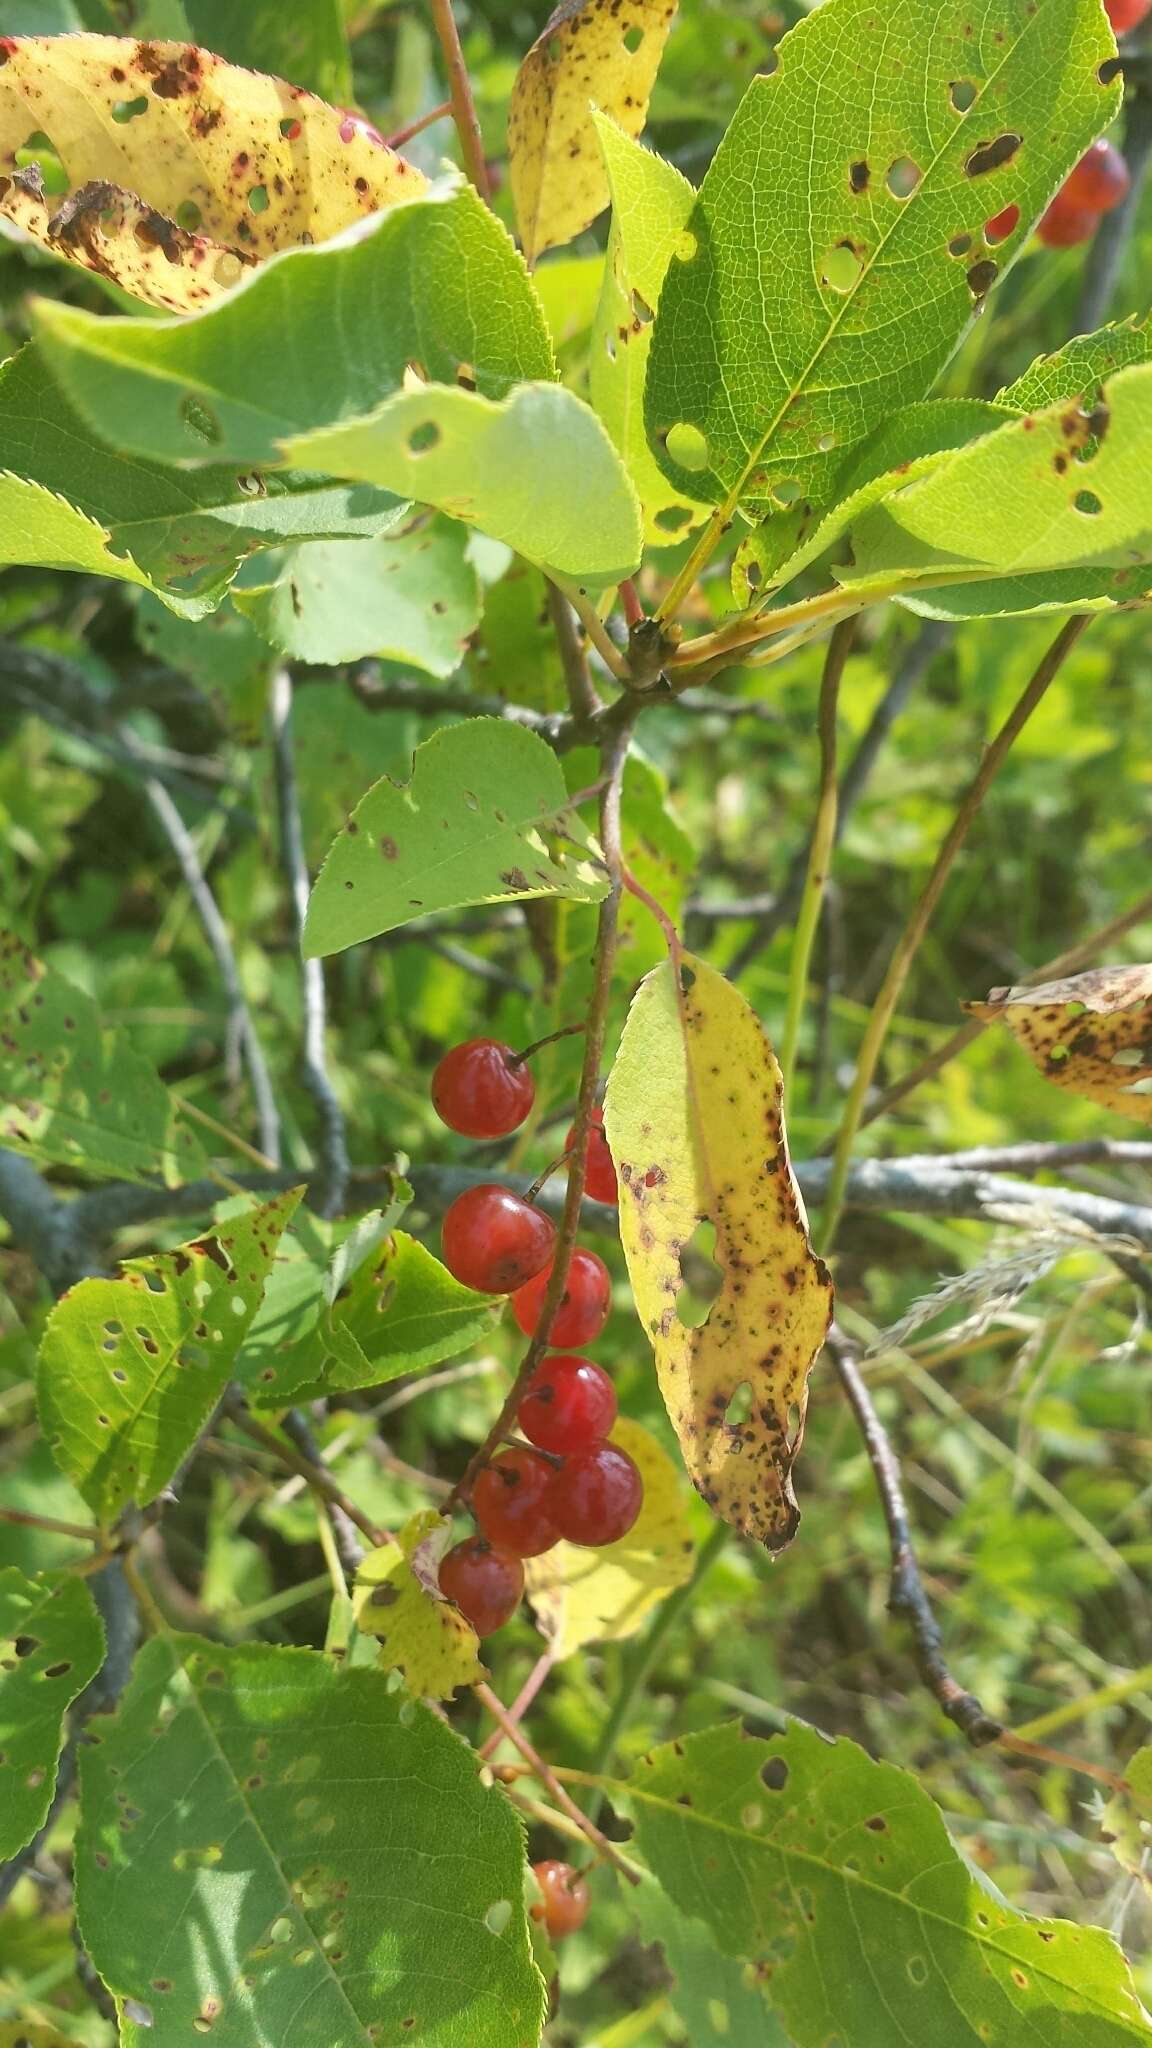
(632, 39)
(1001, 225)
(673, 518)
(702, 1277)
(740, 1406)
(841, 267)
(498, 1916)
(687, 446)
(786, 491)
(1087, 501)
(258, 199)
(423, 437)
(129, 110)
(992, 156)
(963, 92)
(903, 177)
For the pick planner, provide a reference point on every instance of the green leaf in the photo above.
(182, 534)
(274, 1849)
(808, 299)
(397, 1598)
(70, 1094)
(466, 829)
(1066, 488)
(304, 43)
(536, 470)
(131, 1369)
(51, 1647)
(413, 596)
(433, 282)
(718, 2000)
(651, 203)
(1077, 368)
(835, 1876)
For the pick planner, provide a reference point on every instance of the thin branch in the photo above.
(474, 964)
(1041, 1754)
(403, 135)
(543, 1772)
(1040, 1157)
(906, 1594)
(310, 1469)
(350, 1549)
(537, 1678)
(582, 695)
(83, 1532)
(614, 661)
(314, 1065)
(59, 1240)
(820, 848)
(908, 944)
(463, 104)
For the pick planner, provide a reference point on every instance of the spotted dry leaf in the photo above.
(1091, 1033)
(602, 53)
(183, 171)
(694, 1118)
(397, 1598)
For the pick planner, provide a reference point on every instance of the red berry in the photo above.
(1099, 181)
(584, 1304)
(512, 1502)
(599, 1172)
(1003, 224)
(564, 1905)
(493, 1241)
(568, 1403)
(597, 1495)
(481, 1090)
(1126, 14)
(1063, 226)
(483, 1583)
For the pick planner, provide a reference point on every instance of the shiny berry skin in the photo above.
(564, 1904)
(584, 1304)
(1126, 14)
(485, 1584)
(569, 1403)
(481, 1090)
(1064, 226)
(1099, 181)
(493, 1241)
(512, 1502)
(599, 1173)
(597, 1495)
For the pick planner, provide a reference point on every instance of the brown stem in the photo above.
(49, 1523)
(1041, 1753)
(630, 603)
(906, 1593)
(317, 1476)
(537, 1677)
(403, 135)
(582, 694)
(667, 925)
(462, 103)
(550, 1038)
(551, 1783)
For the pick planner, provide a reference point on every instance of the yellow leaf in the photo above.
(183, 170)
(595, 1596)
(397, 1599)
(591, 52)
(694, 1119)
(1091, 1033)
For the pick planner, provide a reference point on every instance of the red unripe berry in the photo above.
(493, 1241)
(564, 1904)
(1099, 181)
(481, 1090)
(568, 1403)
(597, 1495)
(1063, 226)
(599, 1173)
(485, 1584)
(1126, 14)
(512, 1502)
(1003, 224)
(584, 1304)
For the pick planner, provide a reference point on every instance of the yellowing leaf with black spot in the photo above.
(602, 53)
(1091, 1033)
(695, 1122)
(397, 1599)
(584, 1595)
(182, 171)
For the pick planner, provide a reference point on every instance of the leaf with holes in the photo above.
(1068, 488)
(131, 1369)
(602, 53)
(397, 1599)
(185, 535)
(837, 251)
(183, 171)
(51, 1647)
(599, 1595)
(535, 470)
(412, 596)
(434, 287)
(73, 1095)
(650, 204)
(834, 1877)
(719, 2001)
(468, 828)
(323, 1863)
(1091, 1033)
(1077, 369)
(695, 1122)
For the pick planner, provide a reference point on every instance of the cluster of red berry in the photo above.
(566, 1481)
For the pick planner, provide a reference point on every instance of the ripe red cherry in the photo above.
(1126, 14)
(493, 1241)
(584, 1304)
(482, 1090)
(485, 1584)
(1063, 226)
(564, 1904)
(568, 1403)
(1099, 181)
(512, 1502)
(597, 1495)
(599, 1173)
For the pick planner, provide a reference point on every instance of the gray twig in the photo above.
(333, 1136)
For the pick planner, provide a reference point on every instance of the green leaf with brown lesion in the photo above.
(51, 1646)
